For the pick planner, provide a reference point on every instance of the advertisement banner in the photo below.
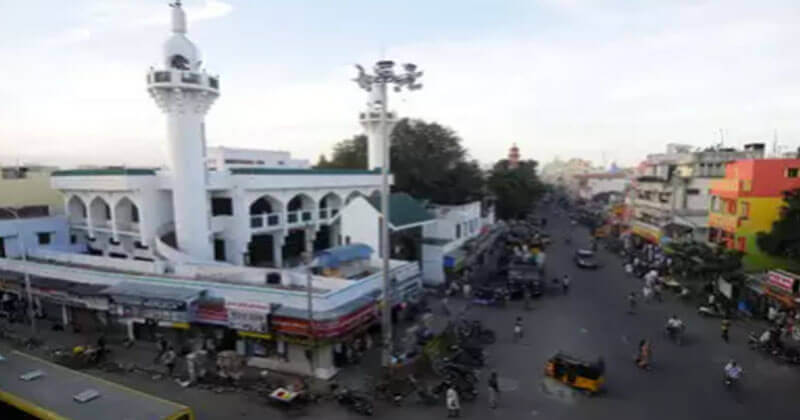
(781, 280)
(247, 316)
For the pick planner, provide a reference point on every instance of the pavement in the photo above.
(685, 382)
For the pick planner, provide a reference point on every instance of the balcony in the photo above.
(731, 188)
(724, 221)
(325, 214)
(265, 221)
(179, 78)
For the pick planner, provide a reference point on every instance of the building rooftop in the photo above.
(404, 210)
(105, 172)
(300, 171)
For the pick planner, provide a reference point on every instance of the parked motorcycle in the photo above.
(713, 311)
(356, 403)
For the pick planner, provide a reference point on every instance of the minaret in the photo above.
(371, 119)
(513, 156)
(185, 92)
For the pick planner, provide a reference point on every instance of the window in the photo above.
(714, 203)
(741, 243)
(221, 206)
(458, 231)
(44, 238)
(692, 191)
(347, 240)
(107, 211)
(791, 172)
(73, 239)
(134, 214)
(745, 210)
(731, 207)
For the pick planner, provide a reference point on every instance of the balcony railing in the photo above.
(265, 220)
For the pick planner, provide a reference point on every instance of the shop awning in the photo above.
(334, 257)
(154, 291)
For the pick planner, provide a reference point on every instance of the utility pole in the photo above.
(377, 126)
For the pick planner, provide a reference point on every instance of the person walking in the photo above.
(453, 405)
(726, 325)
(494, 390)
(565, 283)
(161, 346)
(169, 360)
(643, 359)
(518, 329)
(632, 303)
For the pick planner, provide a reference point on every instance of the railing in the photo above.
(328, 212)
(179, 77)
(131, 227)
(265, 220)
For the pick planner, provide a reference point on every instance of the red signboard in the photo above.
(783, 281)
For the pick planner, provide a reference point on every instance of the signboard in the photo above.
(245, 316)
(164, 304)
(781, 280)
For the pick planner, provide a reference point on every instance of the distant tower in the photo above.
(371, 118)
(185, 92)
(513, 156)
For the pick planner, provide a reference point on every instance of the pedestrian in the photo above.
(161, 346)
(518, 329)
(565, 284)
(632, 303)
(169, 360)
(494, 390)
(647, 293)
(467, 290)
(726, 324)
(453, 405)
(643, 358)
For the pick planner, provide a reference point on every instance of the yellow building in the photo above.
(27, 188)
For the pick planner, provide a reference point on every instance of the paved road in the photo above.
(685, 382)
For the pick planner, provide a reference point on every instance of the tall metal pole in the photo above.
(384, 74)
(386, 318)
(24, 255)
(310, 299)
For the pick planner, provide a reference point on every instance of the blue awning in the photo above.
(333, 257)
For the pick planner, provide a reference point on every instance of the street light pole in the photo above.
(24, 256)
(384, 75)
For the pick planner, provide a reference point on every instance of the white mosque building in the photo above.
(206, 245)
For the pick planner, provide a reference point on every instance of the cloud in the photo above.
(70, 36)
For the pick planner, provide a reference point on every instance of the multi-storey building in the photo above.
(747, 201)
(671, 192)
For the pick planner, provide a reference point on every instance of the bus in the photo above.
(32, 388)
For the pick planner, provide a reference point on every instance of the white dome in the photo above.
(179, 45)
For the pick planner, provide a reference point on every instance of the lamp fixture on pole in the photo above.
(378, 130)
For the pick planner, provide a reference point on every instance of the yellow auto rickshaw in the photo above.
(577, 373)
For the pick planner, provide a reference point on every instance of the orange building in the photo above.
(747, 201)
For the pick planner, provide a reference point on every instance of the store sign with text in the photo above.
(245, 316)
(782, 281)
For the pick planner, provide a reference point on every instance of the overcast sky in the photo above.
(596, 79)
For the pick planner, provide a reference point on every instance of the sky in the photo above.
(601, 80)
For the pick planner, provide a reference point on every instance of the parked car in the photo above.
(584, 258)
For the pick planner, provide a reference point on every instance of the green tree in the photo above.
(515, 189)
(783, 240)
(427, 161)
(347, 154)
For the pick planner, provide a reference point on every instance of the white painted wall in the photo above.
(360, 223)
(137, 266)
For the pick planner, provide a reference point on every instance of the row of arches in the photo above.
(302, 201)
(99, 212)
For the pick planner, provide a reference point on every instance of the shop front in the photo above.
(782, 289)
(149, 310)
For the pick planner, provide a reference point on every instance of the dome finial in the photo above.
(178, 17)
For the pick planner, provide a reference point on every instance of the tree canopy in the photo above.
(700, 261)
(784, 238)
(515, 189)
(427, 161)
(347, 154)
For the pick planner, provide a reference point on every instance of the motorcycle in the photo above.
(713, 311)
(492, 296)
(675, 334)
(356, 403)
(424, 395)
